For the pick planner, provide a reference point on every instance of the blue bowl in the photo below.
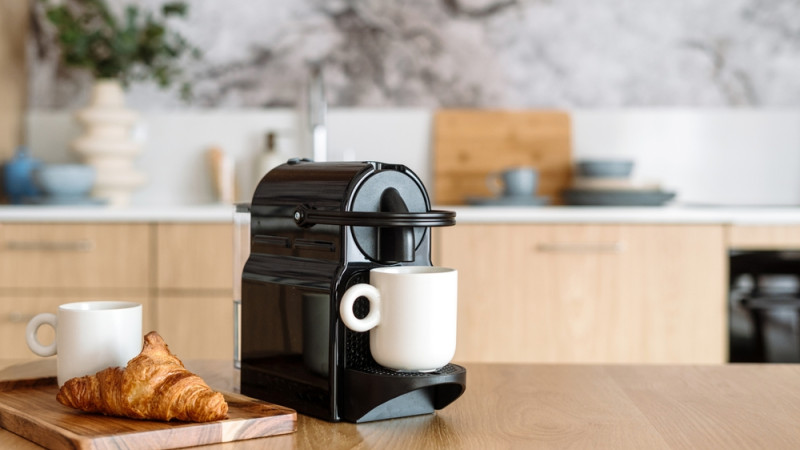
(65, 180)
(605, 168)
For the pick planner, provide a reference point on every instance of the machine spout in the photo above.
(394, 244)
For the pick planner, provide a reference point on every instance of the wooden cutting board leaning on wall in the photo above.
(468, 145)
(13, 74)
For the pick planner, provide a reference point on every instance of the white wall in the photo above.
(732, 156)
(175, 144)
(749, 157)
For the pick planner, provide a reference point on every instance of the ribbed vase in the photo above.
(107, 145)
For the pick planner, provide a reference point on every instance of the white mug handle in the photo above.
(30, 334)
(346, 307)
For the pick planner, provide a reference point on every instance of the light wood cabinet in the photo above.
(194, 256)
(43, 265)
(194, 288)
(197, 326)
(74, 255)
(182, 273)
(588, 293)
(764, 237)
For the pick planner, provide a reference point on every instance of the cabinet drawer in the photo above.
(67, 255)
(197, 326)
(761, 237)
(17, 311)
(577, 293)
(195, 256)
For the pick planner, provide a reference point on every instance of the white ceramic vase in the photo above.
(107, 143)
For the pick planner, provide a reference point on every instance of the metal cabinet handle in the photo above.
(81, 245)
(18, 317)
(581, 247)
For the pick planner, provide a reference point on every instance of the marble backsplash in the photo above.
(470, 53)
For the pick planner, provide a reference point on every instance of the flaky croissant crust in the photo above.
(154, 385)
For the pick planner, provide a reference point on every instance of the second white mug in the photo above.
(90, 336)
(412, 317)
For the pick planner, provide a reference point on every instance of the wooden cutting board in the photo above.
(469, 144)
(29, 408)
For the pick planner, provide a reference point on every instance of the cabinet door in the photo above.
(195, 256)
(67, 255)
(588, 293)
(17, 310)
(197, 326)
(764, 237)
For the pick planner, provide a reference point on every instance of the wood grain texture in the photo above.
(588, 293)
(13, 74)
(197, 325)
(735, 406)
(468, 145)
(764, 237)
(74, 255)
(195, 256)
(567, 406)
(32, 412)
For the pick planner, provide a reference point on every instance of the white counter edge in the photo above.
(642, 215)
(464, 214)
(200, 213)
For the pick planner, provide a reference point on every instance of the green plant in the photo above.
(138, 47)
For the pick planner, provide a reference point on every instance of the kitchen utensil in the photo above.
(318, 228)
(513, 182)
(629, 197)
(521, 200)
(29, 408)
(604, 168)
(412, 316)
(223, 175)
(618, 184)
(469, 144)
(90, 336)
(66, 201)
(66, 183)
(18, 176)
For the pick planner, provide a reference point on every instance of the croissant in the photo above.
(154, 385)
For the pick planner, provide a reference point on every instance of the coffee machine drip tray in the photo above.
(378, 393)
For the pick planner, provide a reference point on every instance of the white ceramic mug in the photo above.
(412, 316)
(90, 336)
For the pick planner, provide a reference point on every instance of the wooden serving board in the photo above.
(29, 408)
(469, 144)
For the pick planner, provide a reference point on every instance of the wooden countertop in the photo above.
(554, 406)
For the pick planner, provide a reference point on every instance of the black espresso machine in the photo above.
(316, 229)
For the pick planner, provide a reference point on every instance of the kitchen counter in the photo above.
(464, 214)
(581, 406)
(641, 215)
(194, 213)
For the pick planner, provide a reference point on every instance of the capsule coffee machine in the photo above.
(317, 229)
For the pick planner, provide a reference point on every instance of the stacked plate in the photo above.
(514, 186)
(606, 182)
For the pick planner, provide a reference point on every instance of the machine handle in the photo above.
(306, 217)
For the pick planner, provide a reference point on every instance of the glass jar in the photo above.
(241, 251)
